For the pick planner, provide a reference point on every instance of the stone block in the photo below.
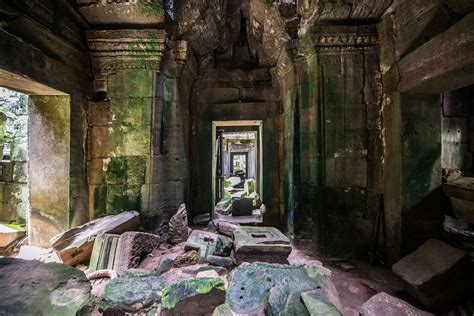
(30, 287)
(128, 141)
(463, 209)
(75, 245)
(317, 303)
(264, 244)
(262, 289)
(134, 83)
(19, 150)
(132, 247)
(99, 113)
(122, 198)
(125, 170)
(434, 274)
(104, 252)
(131, 294)
(7, 172)
(99, 141)
(217, 95)
(387, 305)
(189, 296)
(461, 188)
(133, 111)
(20, 172)
(96, 171)
(10, 233)
(202, 242)
(178, 226)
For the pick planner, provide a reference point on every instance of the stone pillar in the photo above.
(125, 66)
(48, 166)
(170, 133)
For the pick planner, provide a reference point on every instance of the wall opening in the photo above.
(35, 176)
(237, 167)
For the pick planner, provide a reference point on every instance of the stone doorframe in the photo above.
(49, 157)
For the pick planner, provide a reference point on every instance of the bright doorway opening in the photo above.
(237, 168)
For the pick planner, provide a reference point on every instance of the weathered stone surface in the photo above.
(193, 296)
(387, 305)
(459, 233)
(141, 12)
(104, 252)
(449, 69)
(200, 240)
(10, 233)
(178, 226)
(461, 193)
(317, 304)
(434, 273)
(264, 244)
(33, 288)
(132, 247)
(131, 293)
(273, 289)
(75, 245)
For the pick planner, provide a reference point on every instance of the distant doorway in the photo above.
(237, 161)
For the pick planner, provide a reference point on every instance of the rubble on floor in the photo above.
(187, 297)
(387, 305)
(212, 248)
(264, 244)
(434, 274)
(263, 288)
(460, 234)
(10, 233)
(75, 246)
(461, 193)
(29, 287)
(178, 226)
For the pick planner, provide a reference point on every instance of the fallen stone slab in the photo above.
(434, 274)
(263, 244)
(461, 193)
(275, 289)
(178, 226)
(132, 247)
(459, 233)
(75, 245)
(202, 219)
(9, 233)
(387, 305)
(104, 252)
(193, 297)
(226, 228)
(201, 241)
(29, 287)
(131, 293)
(317, 304)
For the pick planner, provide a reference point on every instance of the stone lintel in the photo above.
(444, 63)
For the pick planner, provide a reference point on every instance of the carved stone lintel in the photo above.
(112, 50)
(347, 36)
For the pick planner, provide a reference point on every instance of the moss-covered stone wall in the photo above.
(120, 144)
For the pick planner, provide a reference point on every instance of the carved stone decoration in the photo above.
(129, 12)
(328, 36)
(112, 50)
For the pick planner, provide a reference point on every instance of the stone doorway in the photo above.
(237, 163)
(43, 156)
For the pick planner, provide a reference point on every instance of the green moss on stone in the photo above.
(188, 288)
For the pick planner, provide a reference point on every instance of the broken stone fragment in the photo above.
(178, 226)
(193, 296)
(10, 233)
(274, 289)
(200, 241)
(434, 274)
(387, 305)
(263, 244)
(29, 287)
(201, 219)
(187, 258)
(223, 246)
(75, 245)
(131, 293)
(132, 247)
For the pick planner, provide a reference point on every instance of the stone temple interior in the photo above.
(237, 157)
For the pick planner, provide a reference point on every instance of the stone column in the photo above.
(125, 65)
